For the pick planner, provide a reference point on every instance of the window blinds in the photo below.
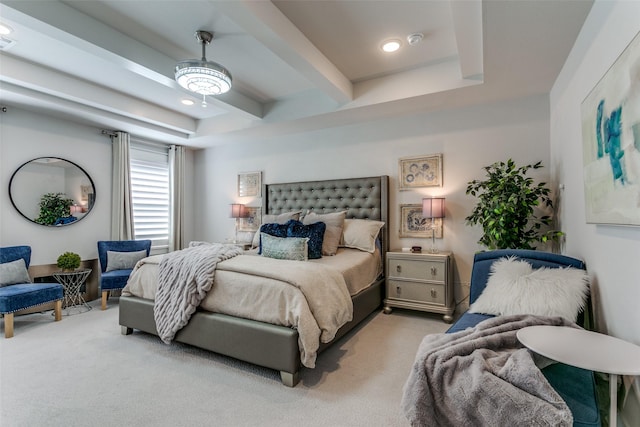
(150, 194)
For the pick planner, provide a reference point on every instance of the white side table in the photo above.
(586, 350)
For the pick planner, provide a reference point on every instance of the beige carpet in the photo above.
(82, 371)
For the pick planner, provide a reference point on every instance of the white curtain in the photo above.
(176, 198)
(121, 203)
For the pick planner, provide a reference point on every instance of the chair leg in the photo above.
(57, 310)
(104, 299)
(8, 325)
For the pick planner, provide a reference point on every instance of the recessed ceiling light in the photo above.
(391, 45)
(5, 29)
(188, 101)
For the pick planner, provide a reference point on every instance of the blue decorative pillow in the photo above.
(315, 233)
(272, 229)
(292, 248)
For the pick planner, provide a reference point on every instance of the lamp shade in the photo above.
(201, 76)
(238, 210)
(433, 207)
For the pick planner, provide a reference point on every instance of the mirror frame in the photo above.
(51, 157)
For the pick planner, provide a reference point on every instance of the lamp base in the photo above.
(433, 249)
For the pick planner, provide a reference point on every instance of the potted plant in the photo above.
(507, 199)
(53, 206)
(68, 261)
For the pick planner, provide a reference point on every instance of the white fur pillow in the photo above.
(515, 287)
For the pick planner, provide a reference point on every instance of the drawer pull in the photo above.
(434, 271)
(398, 268)
(398, 290)
(433, 293)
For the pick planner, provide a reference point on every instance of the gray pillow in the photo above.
(335, 223)
(14, 272)
(123, 260)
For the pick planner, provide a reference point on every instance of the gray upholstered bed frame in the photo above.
(264, 344)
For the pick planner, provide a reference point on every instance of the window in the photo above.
(150, 194)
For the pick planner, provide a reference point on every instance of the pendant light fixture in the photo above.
(201, 76)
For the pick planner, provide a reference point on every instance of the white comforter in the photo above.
(313, 298)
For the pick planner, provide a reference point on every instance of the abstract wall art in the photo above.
(611, 142)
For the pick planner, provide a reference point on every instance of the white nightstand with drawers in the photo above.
(420, 281)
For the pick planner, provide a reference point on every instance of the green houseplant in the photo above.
(507, 199)
(52, 207)
(68, 261)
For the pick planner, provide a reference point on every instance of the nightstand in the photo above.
(245, 246)
(420, 281)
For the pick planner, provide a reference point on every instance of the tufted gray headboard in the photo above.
(363, 198)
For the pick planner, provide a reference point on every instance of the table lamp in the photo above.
(433, 208)
(238, 210)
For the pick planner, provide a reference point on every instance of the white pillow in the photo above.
(334, 222)
(515, 287)
(274, 219)
(361, 234)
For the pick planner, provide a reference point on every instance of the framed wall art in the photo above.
(611, 143)
(421, 171)
(249, 184)
(413, 224)
(252, 222)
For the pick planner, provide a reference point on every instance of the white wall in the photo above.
(612, 253)
(25, 135)
(469, 139)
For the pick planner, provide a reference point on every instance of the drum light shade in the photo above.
(201, 76)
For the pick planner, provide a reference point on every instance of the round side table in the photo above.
(587, 350)
(72, 281)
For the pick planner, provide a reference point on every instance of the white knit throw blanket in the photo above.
(184, 278)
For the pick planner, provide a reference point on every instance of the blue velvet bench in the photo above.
(23, 294)
(576, 386)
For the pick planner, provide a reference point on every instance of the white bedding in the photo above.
(270, 299)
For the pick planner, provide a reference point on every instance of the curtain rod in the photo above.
(112, 133)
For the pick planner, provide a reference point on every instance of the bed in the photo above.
(272, 345)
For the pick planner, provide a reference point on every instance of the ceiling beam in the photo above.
(67, 26)
(467, 25)
(64, 87)
(264, 21)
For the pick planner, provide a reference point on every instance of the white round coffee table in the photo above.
(586, 350)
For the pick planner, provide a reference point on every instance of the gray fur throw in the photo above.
(184, 278)
(483, 376)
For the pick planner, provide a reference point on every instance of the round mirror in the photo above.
(51, 191)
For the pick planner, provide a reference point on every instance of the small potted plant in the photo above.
(68, 261)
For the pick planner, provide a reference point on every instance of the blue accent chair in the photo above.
(21, 296)
(117, 279)
(576, 386)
